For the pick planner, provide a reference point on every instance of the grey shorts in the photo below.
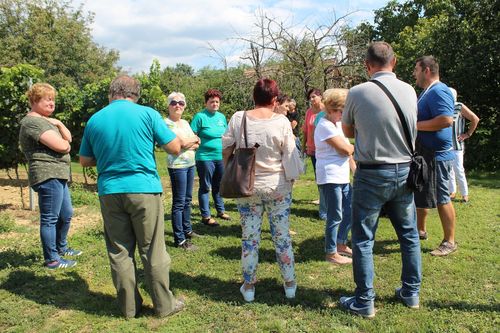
(436, 191)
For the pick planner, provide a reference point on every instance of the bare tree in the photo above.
(313, 56)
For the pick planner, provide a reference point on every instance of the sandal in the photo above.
(209, 221)
(223, 216)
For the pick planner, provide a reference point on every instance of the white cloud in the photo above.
(178, 31)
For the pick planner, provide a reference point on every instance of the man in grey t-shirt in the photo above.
(382, 155)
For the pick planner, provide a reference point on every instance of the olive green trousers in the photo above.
(130, 221)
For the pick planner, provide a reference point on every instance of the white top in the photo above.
(331, 167)
(277, 161)
(186, 158)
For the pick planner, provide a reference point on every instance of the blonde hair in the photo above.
(39, 91)
(335, 98)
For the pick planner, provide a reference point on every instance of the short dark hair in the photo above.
(314, 91)
(379, 54)
(282, 98)
(429, 62)
(125, 86)
(264, 91)
(211, 93)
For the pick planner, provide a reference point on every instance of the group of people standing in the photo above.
(121, 138)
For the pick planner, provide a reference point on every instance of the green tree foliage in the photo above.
(14, 82)
(464, 36)
(74, 107)
(51, 35)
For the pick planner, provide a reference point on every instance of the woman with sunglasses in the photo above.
(181, 171)
(209, 124)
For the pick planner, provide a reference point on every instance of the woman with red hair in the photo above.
(277, 165)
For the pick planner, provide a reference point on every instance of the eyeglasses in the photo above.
(174, 103)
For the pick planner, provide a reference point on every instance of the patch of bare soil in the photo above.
(11, 203)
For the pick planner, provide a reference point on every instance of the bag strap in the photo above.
(400, 114)
(244, 125)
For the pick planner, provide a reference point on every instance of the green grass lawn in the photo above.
(460, 293)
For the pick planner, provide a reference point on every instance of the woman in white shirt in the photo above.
(333, 161)
(181, 172)
(277, 165)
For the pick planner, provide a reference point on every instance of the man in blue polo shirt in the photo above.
(120, 139)
(434, 139)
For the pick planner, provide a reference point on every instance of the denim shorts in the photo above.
(437, 190)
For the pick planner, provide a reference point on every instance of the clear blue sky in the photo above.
(177, 31)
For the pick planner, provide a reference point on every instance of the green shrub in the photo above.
(82, 196)
(7, 223)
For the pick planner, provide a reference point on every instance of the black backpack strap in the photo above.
(400, 114)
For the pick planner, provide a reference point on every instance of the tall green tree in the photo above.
(56, 37)
(464, 36)
(14, 82)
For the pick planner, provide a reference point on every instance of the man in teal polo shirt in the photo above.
(120, 139)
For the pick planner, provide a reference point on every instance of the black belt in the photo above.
(383, 165)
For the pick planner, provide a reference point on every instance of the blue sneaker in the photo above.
(71, 252)
(61, 263)
(410, 301)
(365, 311)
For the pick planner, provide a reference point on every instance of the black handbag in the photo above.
(418, 176)
(239, 173)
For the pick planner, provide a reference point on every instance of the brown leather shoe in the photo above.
(209, 221)
(223, 216)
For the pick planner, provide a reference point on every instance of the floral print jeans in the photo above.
(277, 206)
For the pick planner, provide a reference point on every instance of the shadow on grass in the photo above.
(485, 179)
(313, 249)
(12, 258)
(234, 253)
(494, 307)
(267, 291)
(5, 206)
(70, 292)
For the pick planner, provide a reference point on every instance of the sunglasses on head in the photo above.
(174, 103)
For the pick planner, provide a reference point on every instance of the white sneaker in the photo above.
(248, 294)
(290, 291)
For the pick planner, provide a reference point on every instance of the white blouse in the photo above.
(277, 160)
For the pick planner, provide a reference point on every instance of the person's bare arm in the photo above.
(352, 164)
(348, 130)
(86, 161)
(474, 120)
(340, 145)
(173, 147)
(65, 133)
(294, 123)
(435, 124)
(54, 141)
(189, 143)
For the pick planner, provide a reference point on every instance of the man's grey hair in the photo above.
(379, 54)
(123, 87)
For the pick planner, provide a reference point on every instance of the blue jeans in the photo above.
(210, 174)
(182, 195)
(322, 204)
(56, 211)
(372, 189)
(338, 214)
